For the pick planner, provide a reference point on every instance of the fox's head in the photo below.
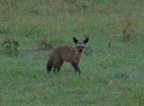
(80, 45)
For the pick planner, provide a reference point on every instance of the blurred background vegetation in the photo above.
(57, 21)
(52, 17)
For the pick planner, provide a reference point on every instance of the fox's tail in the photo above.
(49, 64)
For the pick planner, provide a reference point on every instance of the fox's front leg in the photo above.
(76, 67)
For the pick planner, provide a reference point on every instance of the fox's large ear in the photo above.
(86, 40)
(75, 40)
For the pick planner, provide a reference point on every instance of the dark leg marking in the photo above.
(76, 67)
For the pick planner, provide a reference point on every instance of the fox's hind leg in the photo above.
(55, 61)
(59, 66)
(55, 67)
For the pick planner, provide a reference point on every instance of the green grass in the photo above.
(112, 75)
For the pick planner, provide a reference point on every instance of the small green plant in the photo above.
(10, 46)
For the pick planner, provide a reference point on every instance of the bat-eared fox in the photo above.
(71, 54)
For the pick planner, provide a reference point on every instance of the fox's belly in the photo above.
(67, 58)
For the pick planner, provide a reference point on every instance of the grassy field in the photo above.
(112, 67)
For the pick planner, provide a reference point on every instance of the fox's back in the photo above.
(65, 52)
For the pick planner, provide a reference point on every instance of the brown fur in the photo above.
(66, 53)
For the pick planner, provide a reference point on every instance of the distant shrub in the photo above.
(129, 31)
(44, 44)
